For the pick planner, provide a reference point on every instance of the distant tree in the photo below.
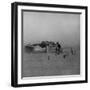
(43, 44)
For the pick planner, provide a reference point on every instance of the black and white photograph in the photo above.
(50, 44)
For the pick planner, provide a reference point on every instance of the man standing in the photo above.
(58, 48)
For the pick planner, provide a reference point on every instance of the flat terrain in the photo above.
(43, 64)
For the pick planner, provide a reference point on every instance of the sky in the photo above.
(42, 26)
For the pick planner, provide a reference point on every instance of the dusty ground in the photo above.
(38, 64)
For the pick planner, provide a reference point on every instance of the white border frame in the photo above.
(46, 79)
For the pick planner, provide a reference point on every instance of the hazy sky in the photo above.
(41, 26)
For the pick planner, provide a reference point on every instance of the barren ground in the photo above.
(38, 64)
